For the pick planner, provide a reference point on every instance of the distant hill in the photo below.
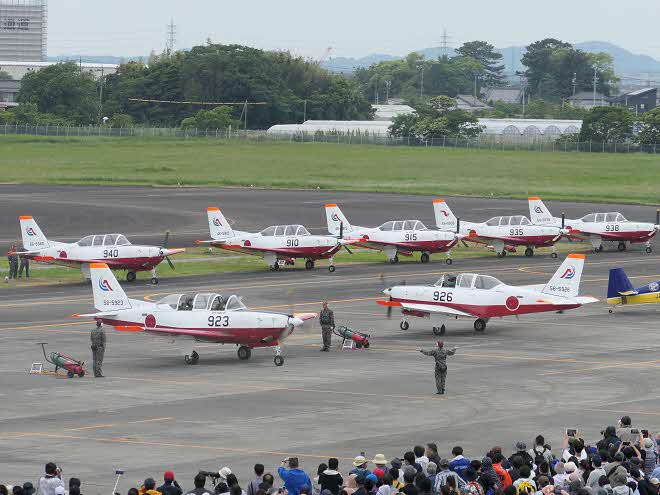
(625, 62)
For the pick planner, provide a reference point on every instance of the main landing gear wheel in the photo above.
(501, 254)
(394, 260)
(278, 360)
(154, 281)
(649, 249)
(610, 311)
(439, 330)
(70, 374)
(275, 267)
(480, 325)
(309, 264)
(244, 353)
(192, 359)
(598, 249)
(621, 246)
(424, 258)
(130, 277)
(449, 261)
(553, 255)
(404, 325)
(529, 252)
(331, 268)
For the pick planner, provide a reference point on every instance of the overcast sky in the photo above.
(350, 27)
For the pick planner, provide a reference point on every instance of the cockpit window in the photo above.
(525, 221)
(122, 241)
(398, 225)
(86, 241)
(448, 281)
(290, 230)
(590, 218)
(420, 226)
(464, 280)
(387, 226)
(185, 303)
(485, 282)
(218, 304)
(302, 230)
(172, 301)
(98, 240)
(493, 222)
(409, 225)
(620, 218)
(279, 231)
(600, 217)
(270, 231)
(202, 301)
(110, 240)
(234, 303)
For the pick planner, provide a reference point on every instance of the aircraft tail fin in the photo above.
(108, 294)
(33, 238)
(619, 284)
(444, 217)
(336, 220)
(539, 213)
(218, 224)
(566, 280)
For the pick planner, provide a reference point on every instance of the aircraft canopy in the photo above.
(402, 225)
(603, 217)
(468, 281)
(505, 221)
(284, 230)
(103, 240)
(201, 302)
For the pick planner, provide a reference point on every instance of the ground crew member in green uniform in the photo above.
(327, 321)
(97, 337)
(13, 262)
(440, 355)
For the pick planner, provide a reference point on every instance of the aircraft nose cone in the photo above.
(388, 291)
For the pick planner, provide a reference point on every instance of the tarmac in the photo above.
(538, 374)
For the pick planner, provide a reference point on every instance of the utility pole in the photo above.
(171, 37)
(574, 81)
(595, 82)
(421, 82)
(305, 111)
(376, 92)
(476, 76)
(102, 81)
(387, 92)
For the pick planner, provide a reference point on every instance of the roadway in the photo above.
(538, 374)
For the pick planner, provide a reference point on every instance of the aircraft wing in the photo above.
(305, 316)
(585, 299)
(428, 308)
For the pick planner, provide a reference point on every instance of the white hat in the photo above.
(570, 467)
(359, 460)
(379, 460)
(224, 472)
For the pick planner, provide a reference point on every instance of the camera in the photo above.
(571, 432)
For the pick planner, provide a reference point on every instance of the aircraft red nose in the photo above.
(247, 243)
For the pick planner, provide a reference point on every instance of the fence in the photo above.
(482, 142)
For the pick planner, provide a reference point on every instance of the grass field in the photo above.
(158, 161)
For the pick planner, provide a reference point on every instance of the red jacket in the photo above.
(503, 474)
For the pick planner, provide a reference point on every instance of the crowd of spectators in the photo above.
(623, 462)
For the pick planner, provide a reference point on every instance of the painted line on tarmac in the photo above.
(46, 326)
(112, 425)
(178, 446)
(603, 367)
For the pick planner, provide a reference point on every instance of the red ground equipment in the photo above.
(71, 365)
(360, 339)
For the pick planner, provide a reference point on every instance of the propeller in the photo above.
(341, 237)
(385, 285)
(657, 219)
(458, 231)
(164, 249)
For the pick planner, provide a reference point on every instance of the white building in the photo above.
(17, 70)
(23, 29)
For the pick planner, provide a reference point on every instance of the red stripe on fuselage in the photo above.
(248, 336)
(308, 252)
(494, 310)
(135, 264)
(427, 246)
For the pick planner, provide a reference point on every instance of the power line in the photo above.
(173, 102)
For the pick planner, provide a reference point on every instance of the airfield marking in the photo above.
(604, 366)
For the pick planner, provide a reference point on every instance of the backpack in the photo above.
(325, 318)
(525, 487)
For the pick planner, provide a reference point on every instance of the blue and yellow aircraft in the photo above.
(620, 291)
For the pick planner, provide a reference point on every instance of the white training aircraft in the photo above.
(484, 297)
(187, 319)
(278, 244)
(599, 227)
(113, 249)
(393, 237)
(503, 233)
